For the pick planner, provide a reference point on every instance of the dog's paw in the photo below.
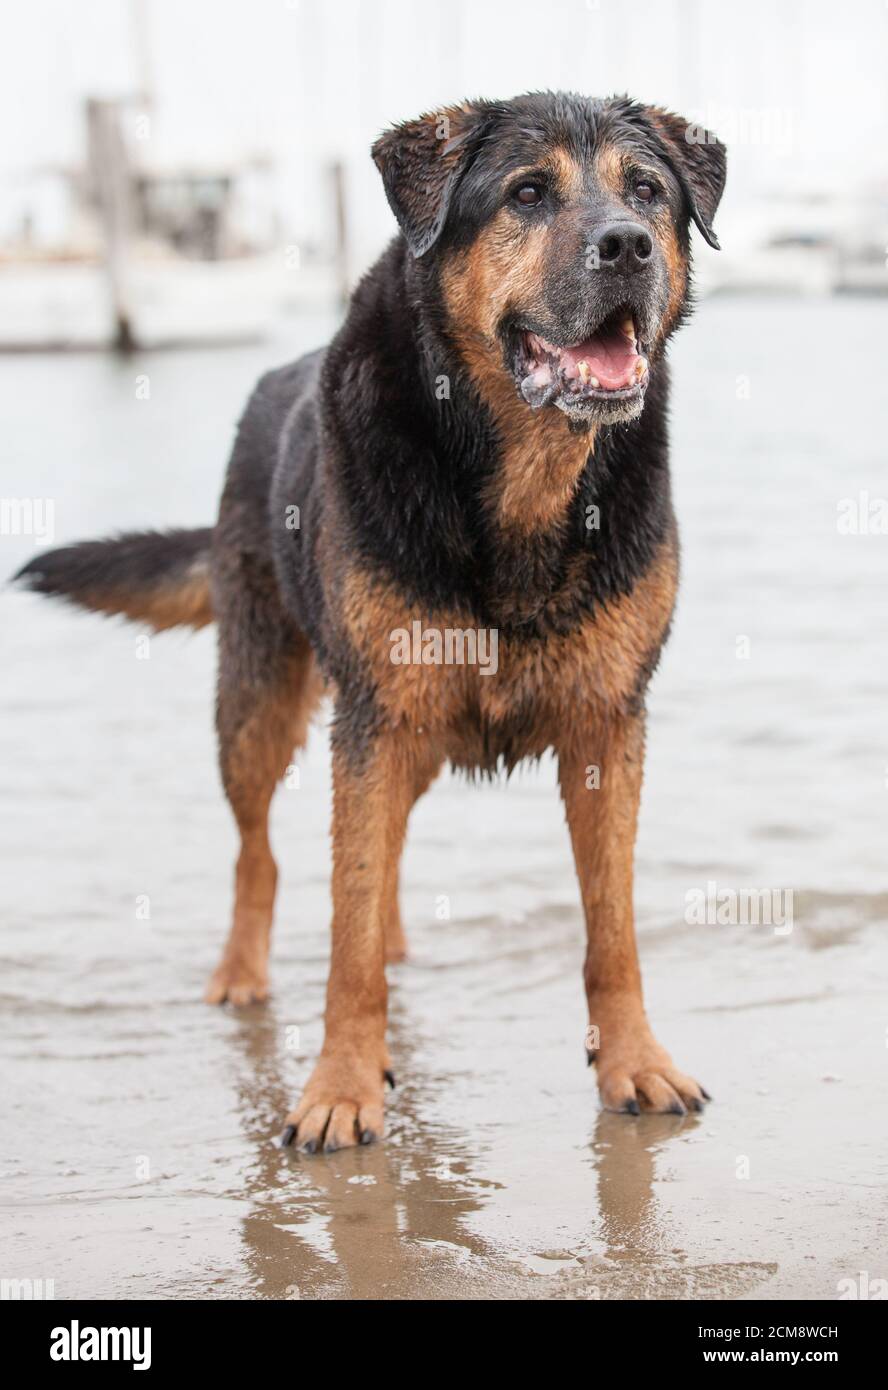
(234, 982)
(636, 1075)
(341, 1106)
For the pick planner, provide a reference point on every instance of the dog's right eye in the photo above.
(528, 195)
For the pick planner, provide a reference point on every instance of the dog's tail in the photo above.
(161, 578)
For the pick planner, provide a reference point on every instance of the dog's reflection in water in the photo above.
(359, 1223)
(390, 1221)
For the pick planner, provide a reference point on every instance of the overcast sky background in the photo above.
(798, 88)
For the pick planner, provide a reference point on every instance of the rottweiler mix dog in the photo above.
(481, 452)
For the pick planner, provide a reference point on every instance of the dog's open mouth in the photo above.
(608, 366)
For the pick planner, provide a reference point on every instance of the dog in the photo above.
(481, 452)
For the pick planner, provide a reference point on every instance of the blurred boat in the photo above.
(805, 245)
(146, 257)
(67, 303)
(123, 253)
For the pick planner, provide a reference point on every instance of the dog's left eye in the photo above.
(645, 191)
(528, 195)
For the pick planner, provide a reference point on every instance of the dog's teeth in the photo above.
(628, 326)
(641, 367)
(593, 381)
(585, 372)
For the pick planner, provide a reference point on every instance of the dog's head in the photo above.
(559, 226)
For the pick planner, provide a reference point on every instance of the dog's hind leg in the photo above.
(395, 940)
(268, 688)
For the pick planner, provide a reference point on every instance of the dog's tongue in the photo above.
(609, 355)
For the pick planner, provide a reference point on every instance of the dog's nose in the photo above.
(622, 246)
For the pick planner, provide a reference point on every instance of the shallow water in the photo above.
(138, 1125)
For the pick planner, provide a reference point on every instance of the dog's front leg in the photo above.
(373, 791)
(600, 770)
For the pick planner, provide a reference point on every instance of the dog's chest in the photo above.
(490, 693)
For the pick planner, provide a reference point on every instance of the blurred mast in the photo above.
(111, 175)
(340, 225)
(109, 170)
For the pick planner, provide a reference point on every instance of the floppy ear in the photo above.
(421, 163)
(699, 161)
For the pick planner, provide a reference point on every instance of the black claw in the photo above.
(677, 1109)
(368, 1136)
(704, 1093)
(310, 1146)
(591, 1058)
(632, 1108)
(331, 1146)
(288, 1136)
(389, 1077)
(695, 1105)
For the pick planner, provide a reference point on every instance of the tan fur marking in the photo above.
(254, 757)
(567, 172)
(180, 603)
(602, 822)
(393, 930)
(597, 664)
(610, 170)
(633, 1069)
(344, 1095)
(540, 468)
(676, 269)
(540, 460)
(504, 268)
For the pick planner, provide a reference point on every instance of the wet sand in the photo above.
(137, 1148)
